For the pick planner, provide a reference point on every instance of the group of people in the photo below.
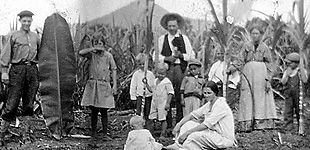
(204, 120)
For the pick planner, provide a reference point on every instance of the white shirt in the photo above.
(141, 140)
(190, 54)
(216, 74)
(137, 86)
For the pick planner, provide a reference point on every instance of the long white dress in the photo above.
(220, 132)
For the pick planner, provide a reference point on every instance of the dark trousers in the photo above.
(176, 76)
(23, 83)
(146, 109)
(94, 119)
(291, 108)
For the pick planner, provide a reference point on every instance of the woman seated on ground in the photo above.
(215, 131)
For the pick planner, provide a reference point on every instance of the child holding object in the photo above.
(140, 138)
(138, 90)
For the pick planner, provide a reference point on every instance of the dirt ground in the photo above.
(119, 128)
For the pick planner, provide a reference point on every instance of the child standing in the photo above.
(293, 78)
(140, 138)
(138, 89)
(162, 95)
(98, 94)
(191, 87)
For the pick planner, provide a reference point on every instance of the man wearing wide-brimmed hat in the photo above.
(174, 49)
(20, 52)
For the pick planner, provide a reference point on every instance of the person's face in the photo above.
(220, 56)
(292, 65)
(172, 27)
(255, 34)
(25, 23)
(141, 65)
(208, 94)
(161, 75)
(195, 70)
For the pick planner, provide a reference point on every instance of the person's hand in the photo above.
(178, 54)
(5, 78)
(182, 102)
(183, 137)
(144, 80)
(170, 59)
(167, 107)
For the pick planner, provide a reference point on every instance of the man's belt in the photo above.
(28, 63)
(193, 94)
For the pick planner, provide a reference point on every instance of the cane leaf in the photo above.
(57, 69)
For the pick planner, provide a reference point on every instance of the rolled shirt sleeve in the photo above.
(5, 56)
(170, 89)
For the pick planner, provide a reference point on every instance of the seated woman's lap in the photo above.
(203, 139)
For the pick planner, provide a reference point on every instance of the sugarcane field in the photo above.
(154, 74)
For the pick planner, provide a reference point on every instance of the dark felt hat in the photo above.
(25, 13)
(194, 62)
(172, 16)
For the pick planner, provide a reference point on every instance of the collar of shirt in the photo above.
(23, 31)
(294, 72)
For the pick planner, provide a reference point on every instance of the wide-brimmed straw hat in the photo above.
(172, 16)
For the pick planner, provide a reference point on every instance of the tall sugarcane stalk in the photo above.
(149, 37)
(301, 128)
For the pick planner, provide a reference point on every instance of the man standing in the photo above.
(20, 52)
(174, 49)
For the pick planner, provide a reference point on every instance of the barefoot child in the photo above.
(293, 76)
(140, 138)
(162, 95)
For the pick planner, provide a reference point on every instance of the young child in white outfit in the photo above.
(140, 138)
(162, 95)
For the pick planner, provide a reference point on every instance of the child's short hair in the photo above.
(136, 120)
(98, 38)
(162, 67)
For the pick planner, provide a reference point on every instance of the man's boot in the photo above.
(3, 130)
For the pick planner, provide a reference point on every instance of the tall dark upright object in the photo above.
(57, 69)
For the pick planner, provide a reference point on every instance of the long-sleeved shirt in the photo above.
(137, 86)
(21, 46)
(190, 54)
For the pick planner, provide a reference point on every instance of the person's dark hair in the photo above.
(260, 29)
(212, 85)
(173, 18)
(97, 37)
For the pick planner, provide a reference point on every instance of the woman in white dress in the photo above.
(209, 127)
